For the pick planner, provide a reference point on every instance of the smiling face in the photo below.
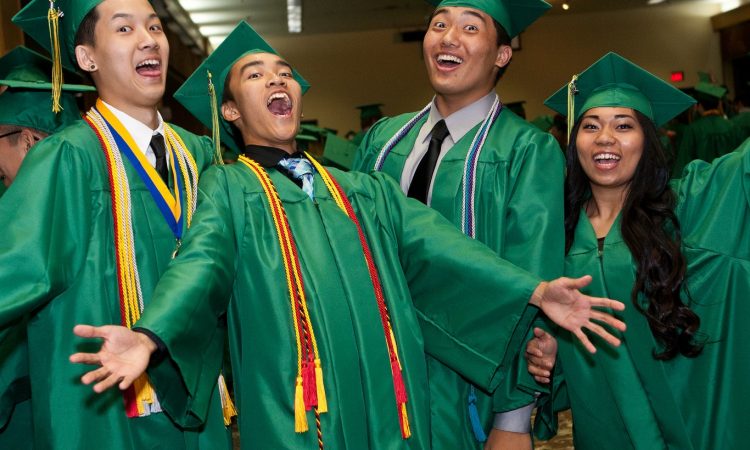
(461, 54)
(130, 54)
(610, 144)
(265, 102)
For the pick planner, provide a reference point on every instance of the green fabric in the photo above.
(706, 138)
(441, 289)
(519, 216)
(622, 398)
(193, 94)
(710, 89)
(514, 15)
(742, 121)
(2, 189)
(614, 81)
(339, 151)
(33, 109)
(58, 267)
(32, 19)
(543, 122)
(27, 69)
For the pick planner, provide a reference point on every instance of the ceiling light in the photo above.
(565, 6)
(294, 15)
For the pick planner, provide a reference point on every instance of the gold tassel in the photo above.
(143, 393)
(53, 22)
(300, 415)
(405, 429)
(322, 402)
(215, 132)
(572, 91)
(227, 406)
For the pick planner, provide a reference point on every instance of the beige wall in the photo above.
(354, 68)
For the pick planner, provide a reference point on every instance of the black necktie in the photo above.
(157, 145)
(420, 184)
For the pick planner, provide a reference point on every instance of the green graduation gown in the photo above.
(57, 255)
(742, 121)
(519, 204)
(447, 295)
(623, 398)
(706, 138)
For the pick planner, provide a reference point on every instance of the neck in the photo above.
(604, 207)
(147, 115)
(448, 104)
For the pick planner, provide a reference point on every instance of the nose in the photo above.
(449, 37)
(276, 80)
(147, 40)
(605, 136)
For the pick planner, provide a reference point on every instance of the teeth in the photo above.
(278, 95)
(148, 62)
(449, 58)
(606, 156)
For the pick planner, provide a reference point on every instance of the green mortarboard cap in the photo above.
(33, 21)
(707, 87)
(195, 95)
(543, 122)
(514, 15)
(372, 110)
(615, 81)
(339, 151)
(27, 69)
(27, 101)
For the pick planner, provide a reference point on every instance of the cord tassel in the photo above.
(300, 418)
(572, 91)
(53, 22)
(215, 132)
(227, 406)
(308, 385)
(322, 401)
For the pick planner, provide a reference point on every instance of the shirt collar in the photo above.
(268, 156)
(462, 121)
(140, 132)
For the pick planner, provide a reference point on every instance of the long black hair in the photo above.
(651, 231)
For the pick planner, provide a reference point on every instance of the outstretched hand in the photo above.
(565, 305)
(123, 357)
(541, 353)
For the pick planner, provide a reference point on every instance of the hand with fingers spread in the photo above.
(541, 353)
(565, 305)
(123, 357)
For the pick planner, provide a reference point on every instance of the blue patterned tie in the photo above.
(300, 169)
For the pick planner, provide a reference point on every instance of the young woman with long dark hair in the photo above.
(679, 252)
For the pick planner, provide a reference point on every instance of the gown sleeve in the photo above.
(190, 317)
(472, 305)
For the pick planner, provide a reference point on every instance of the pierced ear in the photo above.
(85, 58)
(504, 54)
(229, 111)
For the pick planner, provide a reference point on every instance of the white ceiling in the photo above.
(216, 18)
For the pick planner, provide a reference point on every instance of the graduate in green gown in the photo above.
(368, 116)
(680, 251)
(26, 118)
(711, 134)
(338, 285)
(67, 257)
(741, 120)
(494, 177)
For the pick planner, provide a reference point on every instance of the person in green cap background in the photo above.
(491, 173)
(711, 134)
(327, 340)
(741, 120)
(368, 116)
(678, 380)
(26, 118)
(26, 115)
(91, 244)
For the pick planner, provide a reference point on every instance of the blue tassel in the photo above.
(476, 424)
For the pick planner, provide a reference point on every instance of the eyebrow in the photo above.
(617, 116)
(464, 13)
(130, 16)
(258, 62)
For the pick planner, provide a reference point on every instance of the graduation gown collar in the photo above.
(267, 156)
(584, 239)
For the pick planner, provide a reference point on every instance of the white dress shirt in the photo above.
(140, 132)
(459, 123)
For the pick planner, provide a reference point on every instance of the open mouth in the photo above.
(606, 160)
(149, 68)
(279, 104)
(447, 61)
